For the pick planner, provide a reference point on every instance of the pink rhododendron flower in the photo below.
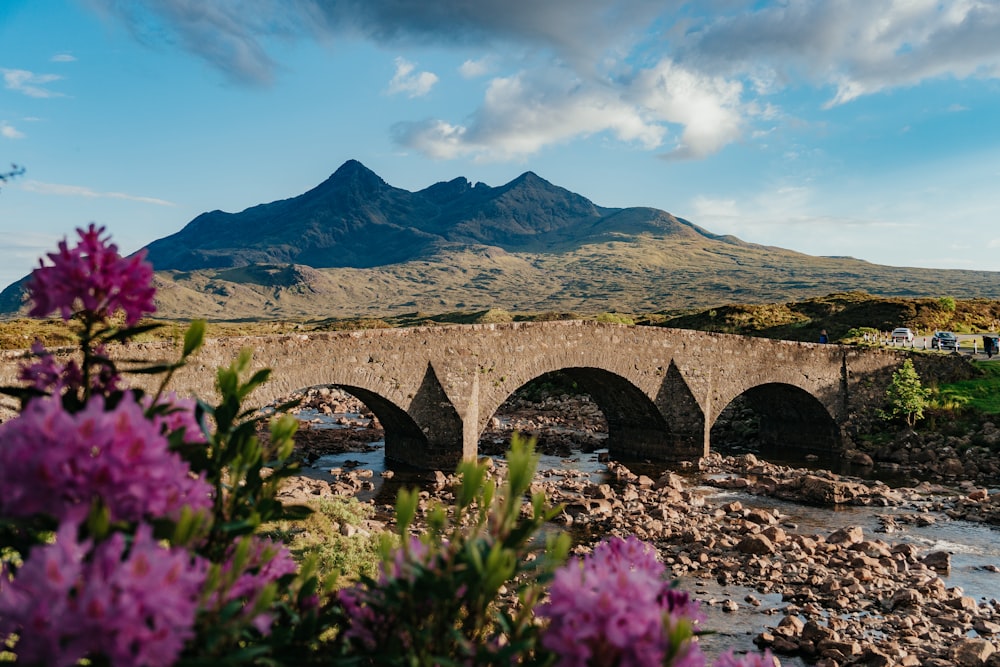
(179, 415)
(92, 276)
(51, 377)
(72, 600)
(48, 375)
(267, 562)
(364, 606)
(616, 607)
(56, 463)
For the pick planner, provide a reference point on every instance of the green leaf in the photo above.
(122, 335)
(472, 476)
(406, 509)
(193, 337)
(259, 378)
(156, 369)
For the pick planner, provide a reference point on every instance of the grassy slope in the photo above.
(633, 274)
(841, 314)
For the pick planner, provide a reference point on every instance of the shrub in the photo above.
(906, 397)
(616, 318)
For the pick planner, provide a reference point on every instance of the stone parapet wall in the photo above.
(436, 388)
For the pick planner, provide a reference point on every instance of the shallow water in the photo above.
(973, 546)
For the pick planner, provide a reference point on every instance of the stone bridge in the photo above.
(434, 389)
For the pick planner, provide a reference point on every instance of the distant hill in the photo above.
(355, 246)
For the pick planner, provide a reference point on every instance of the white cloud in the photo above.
(406, 80)
(522, 114)
(63, 58)
(10, 132)
(707, 107)
(472, 69)
(82, 191)
(29, 83)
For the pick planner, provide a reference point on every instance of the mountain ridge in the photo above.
(354, 245)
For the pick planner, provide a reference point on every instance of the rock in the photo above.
(907, 597)
(963, 603)
(939, 561)
(848, 535)
(669, 480)
(816, 489)
(874, 657)
(816, 633)
(971, 652)
(793, 624)
(755, 544)
(761, 517)
(985, 627)
(859, 458)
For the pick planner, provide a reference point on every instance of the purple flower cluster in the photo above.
(56, 463)
(362, 605)
(264, 563)
(178, 415)
(616, 608)
(51, 377)
(93, 277)
(71, 600)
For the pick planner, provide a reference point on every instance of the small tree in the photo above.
(906, 396)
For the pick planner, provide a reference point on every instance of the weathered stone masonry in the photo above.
(434, 389)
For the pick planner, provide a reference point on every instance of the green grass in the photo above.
(319, 535)
(981, 394)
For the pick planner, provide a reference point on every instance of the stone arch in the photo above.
(404, 440)
(428, 434)
(636, 429)
(791, 418)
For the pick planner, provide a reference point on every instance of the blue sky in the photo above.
(866, 128)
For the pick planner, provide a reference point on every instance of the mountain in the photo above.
(355, 219)
(355, 246)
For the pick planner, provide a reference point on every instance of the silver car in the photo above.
(902, 335)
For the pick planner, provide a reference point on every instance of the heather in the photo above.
(132, 528)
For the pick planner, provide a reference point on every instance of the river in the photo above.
(974, 547)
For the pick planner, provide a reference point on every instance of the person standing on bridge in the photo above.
(823, 338)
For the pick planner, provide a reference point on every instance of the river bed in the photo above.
(974, 547)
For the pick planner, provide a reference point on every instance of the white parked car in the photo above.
(902, 335)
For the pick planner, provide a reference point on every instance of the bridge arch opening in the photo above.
(333, 421)
(611, 413)
(555, 410)
(351, 419)
(779, 422)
